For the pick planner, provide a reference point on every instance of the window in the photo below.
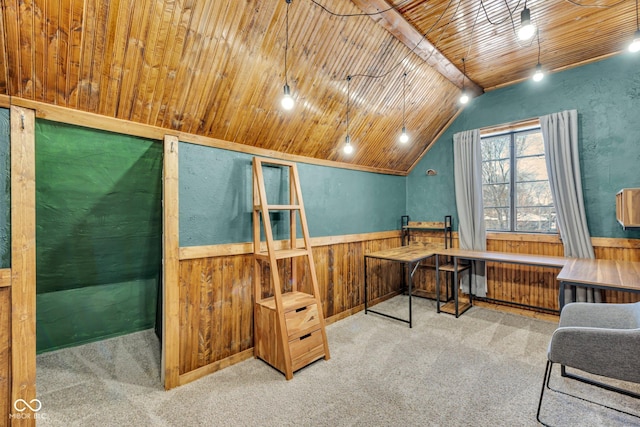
(515, 185)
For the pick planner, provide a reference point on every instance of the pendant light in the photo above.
(287, 100)
(538, 74)
(527, 29)
(634, 46)
(348, 148)
(464, 97)
(404, 138)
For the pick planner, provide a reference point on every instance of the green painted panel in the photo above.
(81, 315)
(5, 190)
(216, 199)
(98, 233)
(98, 207)
(606, 95)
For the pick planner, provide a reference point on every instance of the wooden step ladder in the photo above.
(289, 329)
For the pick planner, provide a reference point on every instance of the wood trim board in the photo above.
(227, 249)
(60, 114)
(170, 369)
(23, 262)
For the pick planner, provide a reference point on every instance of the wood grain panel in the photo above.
(216, 310)
(216, 69)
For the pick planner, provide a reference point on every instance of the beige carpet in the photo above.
(483, 369)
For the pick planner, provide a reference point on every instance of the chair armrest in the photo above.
(601, 315)
(611, 353)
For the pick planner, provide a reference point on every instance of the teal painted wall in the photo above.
(216, 199)
(606, 95)
(98, 234)
(5, 190)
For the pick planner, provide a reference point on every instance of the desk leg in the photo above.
(366, 305)
(409, 279)
(437, 283)
(455, 283)
(561, 296)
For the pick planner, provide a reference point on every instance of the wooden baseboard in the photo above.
(215, 366)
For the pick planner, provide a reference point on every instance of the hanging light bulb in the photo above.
(348, 148)
(287, 101)
(464, 96)
(539, 74)
(527, 29)
(404, 138)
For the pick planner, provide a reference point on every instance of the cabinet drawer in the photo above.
(302, 321)
(306, 349)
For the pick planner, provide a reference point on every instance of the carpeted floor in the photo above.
(482, 369)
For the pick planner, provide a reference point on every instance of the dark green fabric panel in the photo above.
(77, 316)
(216, 199)
(5, 190)
(98, 207)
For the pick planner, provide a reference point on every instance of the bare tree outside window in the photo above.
(516, 191)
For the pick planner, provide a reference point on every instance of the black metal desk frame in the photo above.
(409, 268)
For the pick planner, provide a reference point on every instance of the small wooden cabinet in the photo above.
(628, 207)
(303, 331)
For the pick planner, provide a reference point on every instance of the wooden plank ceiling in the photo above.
(216, 68)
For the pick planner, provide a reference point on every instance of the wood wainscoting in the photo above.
(216, 311)
(215, 300)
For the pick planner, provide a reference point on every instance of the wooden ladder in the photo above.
(289, 329)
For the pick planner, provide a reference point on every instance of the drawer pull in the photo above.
(305, 336)
(298, 310)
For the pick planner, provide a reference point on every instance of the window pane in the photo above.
(497, 219)
(529, 143)
(496, 147)
(496, 171)
(537, 193)
(536, 219)
(496, 195)
(531, 169)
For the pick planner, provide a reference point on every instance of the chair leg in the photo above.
(545, 384)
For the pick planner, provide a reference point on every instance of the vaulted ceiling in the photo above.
(216, 68)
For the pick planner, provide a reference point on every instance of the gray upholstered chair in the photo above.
(601, 339)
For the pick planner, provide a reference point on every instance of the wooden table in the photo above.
(488, 256)
(410, 257)
(604, 274)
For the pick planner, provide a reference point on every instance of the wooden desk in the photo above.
(410, 257)
(600, 274)
(488, 256)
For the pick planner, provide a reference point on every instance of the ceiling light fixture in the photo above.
(634, 46)
(464, 97)
(527, 29)
(287, 100)
(538, 74)
(404, 138)
(348, 148)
